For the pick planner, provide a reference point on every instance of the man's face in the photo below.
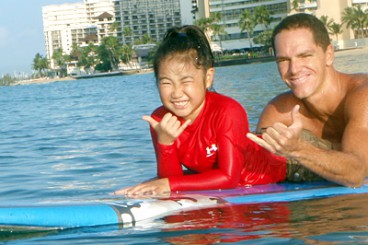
(301, 62)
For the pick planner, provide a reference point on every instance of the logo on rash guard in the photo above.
(212, 150)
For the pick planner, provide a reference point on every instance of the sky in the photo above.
(21, 34)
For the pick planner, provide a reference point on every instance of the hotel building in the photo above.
(92, 20)
(76, 23)
(231, 10)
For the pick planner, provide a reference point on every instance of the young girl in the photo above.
(203, 131)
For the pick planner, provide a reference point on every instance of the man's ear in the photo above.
(330, 55)
(209, 77)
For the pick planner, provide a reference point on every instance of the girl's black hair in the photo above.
(183, 40)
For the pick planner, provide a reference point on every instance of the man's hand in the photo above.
(281, 139)
(168, 129)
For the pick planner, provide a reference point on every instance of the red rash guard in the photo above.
(215, 149)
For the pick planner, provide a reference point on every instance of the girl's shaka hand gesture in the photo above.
(169, 129)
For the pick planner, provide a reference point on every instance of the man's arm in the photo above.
(347, 167)
(277, 110)
(350, 165)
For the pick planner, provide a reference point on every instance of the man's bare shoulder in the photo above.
(278, 110)
(357, 95)
(284, 102)
(358, 80)
(357, 84)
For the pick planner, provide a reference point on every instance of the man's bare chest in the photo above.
(331, 129)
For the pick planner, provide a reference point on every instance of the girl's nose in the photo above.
(177, 91)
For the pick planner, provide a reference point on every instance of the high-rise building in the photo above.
(152, 18)
(76, 23)
(90, 21)
(231, 11)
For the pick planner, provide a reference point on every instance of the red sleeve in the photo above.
(168, 163)
(262, 167)
(232, 127)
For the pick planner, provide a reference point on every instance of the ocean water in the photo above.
(78, 141)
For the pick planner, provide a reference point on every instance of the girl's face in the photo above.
(182, 86)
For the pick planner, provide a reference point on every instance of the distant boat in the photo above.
(101, 74)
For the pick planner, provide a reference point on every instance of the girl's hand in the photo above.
(169, 129)
(158, 187)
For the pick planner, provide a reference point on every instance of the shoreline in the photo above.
(43, 80)
(72, 78)
(351, 50)
(69, 78)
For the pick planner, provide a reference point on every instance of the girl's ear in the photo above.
(209, 77)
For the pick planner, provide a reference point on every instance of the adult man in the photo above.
(331, 105)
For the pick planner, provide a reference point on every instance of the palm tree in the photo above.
(40, 63)
(362, 19)
(264, 38)
(127, 32)
(215, 17)
(89, 58)
(146, 39)
(326, 21)
(248, 22)
(6, 80)
(113, 27)
(262, 16)
(356, 19)
(365, 23)
(126, 54)
(62, 61)
(218, 30)
(335, 29)
(58, 57)
(349, 19)
(295, 5)
(76, 52)
(211, 26)
(205, 24)
(111, 51)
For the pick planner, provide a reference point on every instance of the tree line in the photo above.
(104, 57)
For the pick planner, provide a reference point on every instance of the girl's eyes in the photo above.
(170, 83)
(164, 82)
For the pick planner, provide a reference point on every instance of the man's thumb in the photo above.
(296, 117)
